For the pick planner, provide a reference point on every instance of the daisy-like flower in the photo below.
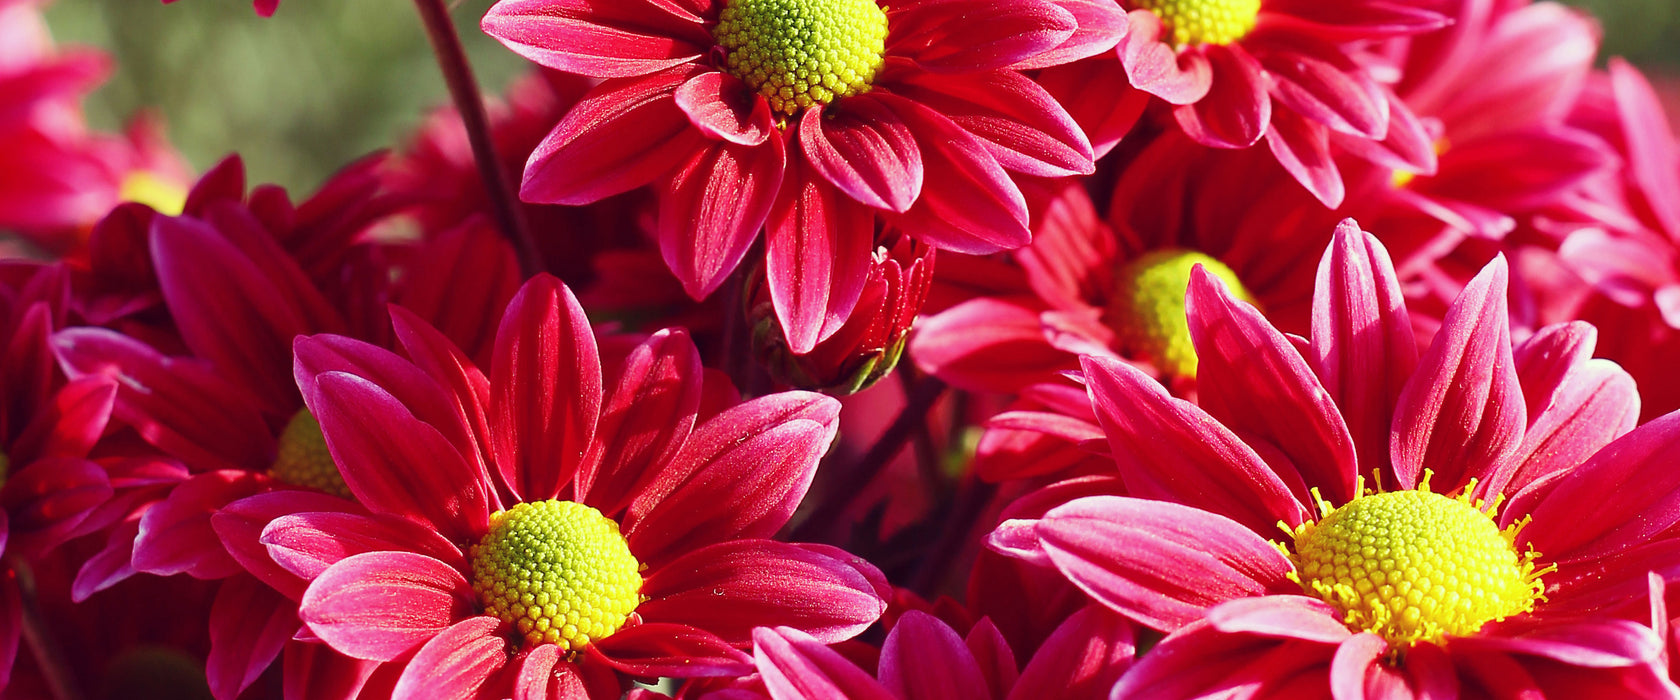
(1286, 71)
(808, 119)
(536, 515)
(1398, 564)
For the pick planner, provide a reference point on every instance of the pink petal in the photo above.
(865, 149)
(459, 283)
(796, 666)
(730, 588)
(465, 388)
(1461, 414)
(381, 605)
(647, 419)
(455, 663)
(620, 136)
(1153, 66)
(175, 535)
(1082, 658)
(1285, 616)
(601, 40)
(1236, 109)
(1408, 145)
(1170, 449)
(1362, 339)
(924, 659)
(1320, 82)
(1303, 148)
(1592, 644)
(961, 36)
(1595, 405)
(968, 203)
(249, 625)
(1651, 146)
(538, 680)
(657, 649)
(1101, 24)
(740, 474)
(1252, 380)
(1018, 122)
(996, 661)
(1097, 95)
(239, 525)
(305, 544)
(1162, 564)
(69, 423)
(1200, 661)
(817, 258)
(1622, 497)
(713, 207)
(313, 671)
(545, 389)
(723, 107)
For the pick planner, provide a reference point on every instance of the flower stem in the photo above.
(49, 658)
(463, 88)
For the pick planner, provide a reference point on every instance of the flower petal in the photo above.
(988, 344)
(381, 605)
(817, 256)
(961, 36)
(865, 149)
(968, 203)
(545, 389)
(723, 107)
(305, 544)
(1620, 498)
(1154, 67)
(924, 659)
(620, 136)
(1082, 658)
(176, 536)
(249, 625)
(47, 500)
(456, 663)
(796, 666)
(658, 649)
(647, 419)
(618, 39)
(1236, 109)
(1286, 616)
(1017, 121)
(239, 525)
(1303, 148)
(713, 208)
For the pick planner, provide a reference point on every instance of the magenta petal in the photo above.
(1098, 97)
(740, 474)
(69, 424)
(465, 388)
(1591, 644)
(658, 649)
(1620, 498)
(249, 625)
(456, 663)
(647, 419)
(313, 671)
(924, 659)
(176, 536)
(988, 344)
(962, 36)
(1321, 83)
(1287, 616)
(1101, 24)
(545, 389)
(1082, 658)
(1250, 378)
(1362, 339)
(1594, 405)
(620, 136)
(1303, 148)
(305, 544)
(1161, 564)
(864, 149)
(601, 40)
(713, 207)
(795, 666)
(47, 500)
(730, 588)
(381, 605)
(1408, 145)
(996, 660)
(1462, 414)
(239, 525)
(1153, 66)
(723, 107)
(1236, 110)
(1651, 145)
(1170, 449)
(1019, 122)
(460, 281)
(817, 256)
(968, 203)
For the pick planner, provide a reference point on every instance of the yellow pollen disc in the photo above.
(1147, 310)
(558, 571)
(1414, 566)
(799, 53)
(303, 459)
(161, 195)
(1204, 21)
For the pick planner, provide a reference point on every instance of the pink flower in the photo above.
(915, 112)
(661, 487)
(1400, 565)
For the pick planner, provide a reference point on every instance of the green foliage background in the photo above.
(324, 81)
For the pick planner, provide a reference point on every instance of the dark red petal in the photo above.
(620, 136)
(456, 663)
(545, 389)
(794, 666)
(1082, 658)
(48, 499)
(249, 625)
(313, 671)
(1099, 97)
(924, 659)
(1236, 109)
(817, 258)
(713, 207)
(968, 202)
(866, 150)
(646, 421)
(658, 649)
(459, 282)
(618, 39)
(69, 424)
(381, 605)
(960, 36)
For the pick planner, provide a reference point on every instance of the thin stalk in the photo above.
(463, 88)
(37, 634)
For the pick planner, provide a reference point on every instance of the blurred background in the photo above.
(324, 81)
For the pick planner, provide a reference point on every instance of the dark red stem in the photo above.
(463, 88)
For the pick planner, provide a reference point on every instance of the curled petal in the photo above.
(866, 150)
(381, 605)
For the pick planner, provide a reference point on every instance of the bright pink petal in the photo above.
(1072, 259)
(305, 544)
(988, 344)
(545, 389)
(1236, 109)
(1153, 66)
(1200, 661)
(1286, 616)
(381, 605)
(1597, 403)
(1461, 414)
(622, 135)
(1651, 145)
(1082, 658)
(795, 666)
(1170, 449)
(176, 536)
(924, 659)
(239, 525)
(1592, 644)
(249, 625)
(961, 36)
(723, 107)
(1320, 82)
(658, 649)
(599, 39)
(968, 203)
(1620, 498)
(817, 256)
(647, 419)
(713, 207)
(730, 588)
(1303, 148)
(1019, 122)
(1097, 94)
(456, 663)
(1101, 24)
(866, 150)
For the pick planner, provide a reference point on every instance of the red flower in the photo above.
(915, 111)
(499, 504)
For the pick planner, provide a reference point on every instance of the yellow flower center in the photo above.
(1204, 21)
(303, 459)
(1414, 566)
(559, 571)
(799, 53)
(1147, 310)
(147, 188)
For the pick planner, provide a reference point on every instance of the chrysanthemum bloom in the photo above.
(48, 486)
(808, 119)
(1251, 540)
(1111, 280)
(1291, 73)
(532, 513)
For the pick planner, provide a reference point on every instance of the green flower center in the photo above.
(559, 571)
(1204, 21)
(1147, 311)
(1414, 566)
(303, 459)
(799, 53)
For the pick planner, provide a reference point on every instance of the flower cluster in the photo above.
(858, 349)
